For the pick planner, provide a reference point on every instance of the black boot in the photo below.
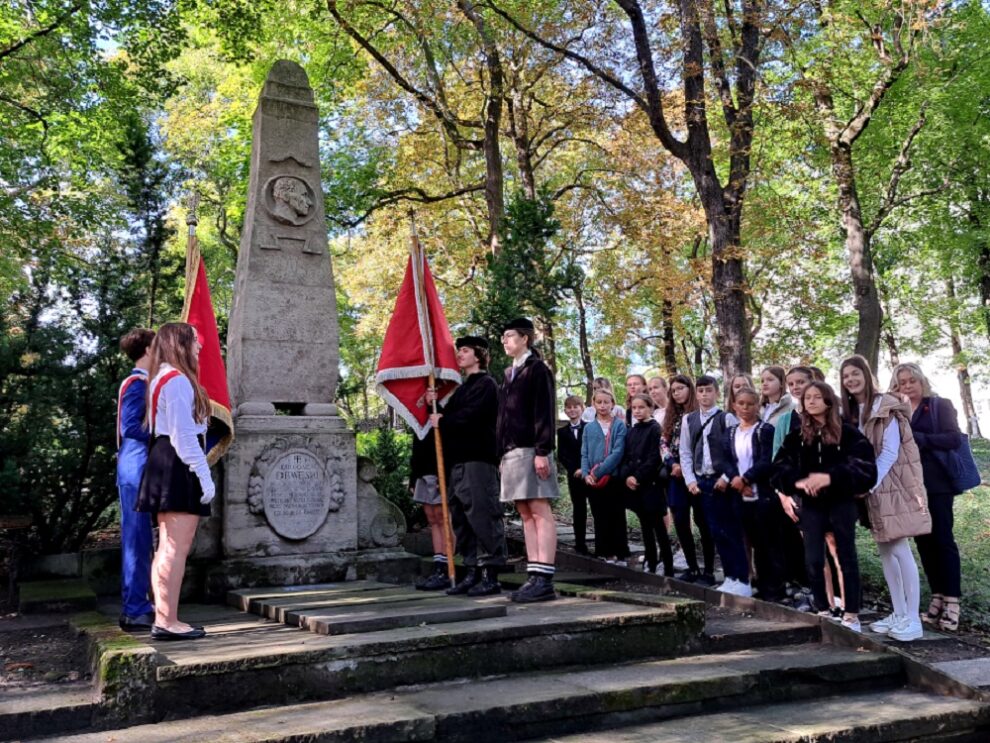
(435, 581)
(540, 590)
(524, 587)
(467, 582)
(488, 585)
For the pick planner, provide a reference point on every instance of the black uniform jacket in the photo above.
(852, 464)
(527, 415)
(467, 427)
(641, 459)
(569, 447)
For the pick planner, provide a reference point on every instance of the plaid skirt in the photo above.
(519, 480)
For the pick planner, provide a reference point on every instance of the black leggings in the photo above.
(609, 513)
(655, 533)
(681, 505)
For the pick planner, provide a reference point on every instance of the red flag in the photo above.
(198, 312)
(417, 343)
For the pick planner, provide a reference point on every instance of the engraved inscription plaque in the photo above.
(296, 498)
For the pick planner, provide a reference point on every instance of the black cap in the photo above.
(520, 323)
(473, 341)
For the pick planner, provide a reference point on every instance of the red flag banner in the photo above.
(198, 312)
(417, 342)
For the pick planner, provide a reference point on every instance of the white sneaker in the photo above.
(646, 568)
(659, 570)
(883, 626)
(852, 624)
(622, 563)
(680, 562)
(743, 589)
(909, 628)
(728, 586)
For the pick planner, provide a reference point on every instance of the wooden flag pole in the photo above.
(448, 537)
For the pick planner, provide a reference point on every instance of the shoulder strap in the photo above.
(168, 377)
(933, 404)
(120, 401)
(701, 432)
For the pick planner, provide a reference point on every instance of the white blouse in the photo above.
(174, 418)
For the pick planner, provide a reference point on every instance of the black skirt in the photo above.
(168, 485)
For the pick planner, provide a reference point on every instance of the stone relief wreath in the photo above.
(294, 482)
(289, 200)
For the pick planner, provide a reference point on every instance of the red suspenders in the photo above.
(120, 401)
(157, 391)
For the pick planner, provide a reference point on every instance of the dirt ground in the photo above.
(40, 650)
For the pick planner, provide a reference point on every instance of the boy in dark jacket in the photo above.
(467, 427)
(569, 438)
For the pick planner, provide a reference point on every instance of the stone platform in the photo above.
(371, 661)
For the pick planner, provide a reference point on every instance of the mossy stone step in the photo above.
(574, 578)
(70, 594)
(375, 618)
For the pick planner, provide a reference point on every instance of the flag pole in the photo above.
(192, 253)
(417, 262)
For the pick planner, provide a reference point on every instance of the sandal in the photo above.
(935, 609)
(950, 615)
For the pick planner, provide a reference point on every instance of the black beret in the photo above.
(474, 341)
(520, 323)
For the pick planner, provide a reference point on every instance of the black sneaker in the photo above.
(540, 590)
(705, 579)
(688, 576)
(524, 587)
(488, 585)
(435, 581)
(466, 583)
(142, 623)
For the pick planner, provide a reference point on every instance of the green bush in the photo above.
(390, 451)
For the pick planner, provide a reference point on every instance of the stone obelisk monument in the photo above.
(291, 511)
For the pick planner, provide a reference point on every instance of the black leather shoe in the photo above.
(466, 583)
(488, 585)
(160, 633)
(141, 623)
(688, 576)
(705, 579)
(540, 590)
(524, 587)
(435, 581)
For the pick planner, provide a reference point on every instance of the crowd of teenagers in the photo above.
(776, 483)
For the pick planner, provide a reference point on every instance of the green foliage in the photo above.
(390, 451)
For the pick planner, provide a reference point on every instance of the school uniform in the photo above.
(423, 470)
(704, 460)
(601, 452)
(641, 459)
(468, 431)
(135, 528)
(177, 476)
(527, 421)
(682, 503)
(569, 438)
(750, 457)
(790, 536)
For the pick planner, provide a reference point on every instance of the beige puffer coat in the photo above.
(899, 507)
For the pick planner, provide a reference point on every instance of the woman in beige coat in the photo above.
(897, 504)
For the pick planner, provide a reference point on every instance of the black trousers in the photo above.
(609, 513)
(682, 503)
(761, 522)
(476, 514)
(654, 534)
(938, 550)
(838, 517)
(579, 505)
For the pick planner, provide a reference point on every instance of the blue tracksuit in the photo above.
(135, 528)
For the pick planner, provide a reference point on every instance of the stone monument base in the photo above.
(385, 564)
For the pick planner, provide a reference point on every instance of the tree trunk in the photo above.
(519, 131)
(962, 368)
(669, 349)
(550, 348)
(859, 254)
(984, 283)
(589, 369)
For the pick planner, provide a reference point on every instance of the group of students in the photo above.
(776, 484)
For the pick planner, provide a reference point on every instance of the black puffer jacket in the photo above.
(851, 464)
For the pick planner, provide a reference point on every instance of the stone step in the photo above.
(31, 712)
(725, 631)
(524, 706)
(572, 577)
(70, 594)
(434, 610)
(895, 715)
(247, 661)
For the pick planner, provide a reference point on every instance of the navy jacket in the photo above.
(947, 437)
(641, 459)
(758, 476)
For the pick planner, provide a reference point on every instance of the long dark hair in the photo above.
(675, 411)
(831, 429)
(850, 405)
(174, 344)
